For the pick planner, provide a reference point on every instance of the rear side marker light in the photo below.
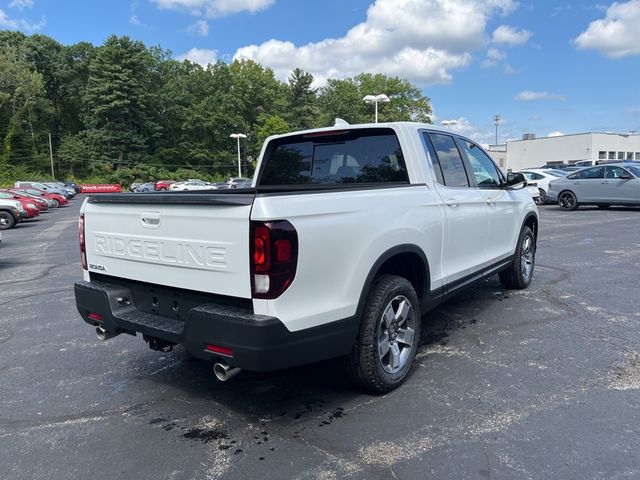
(95, 316)
(218, 349)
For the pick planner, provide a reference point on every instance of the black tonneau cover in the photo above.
(240, 196)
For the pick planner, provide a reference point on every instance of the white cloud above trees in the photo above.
(422, 40)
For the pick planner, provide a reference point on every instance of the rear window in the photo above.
(344, 157)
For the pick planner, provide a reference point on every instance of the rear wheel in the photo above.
(6, 221)
(55, 203)
(520, 272)
(389, 335)
(567, 201)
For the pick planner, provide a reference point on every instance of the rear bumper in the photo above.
(258, 342)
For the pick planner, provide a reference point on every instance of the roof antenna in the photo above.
(339, 122)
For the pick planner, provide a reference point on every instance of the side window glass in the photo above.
(483, 167)
(614, 172)
(434, 159)
(453, 170)
(589, 173)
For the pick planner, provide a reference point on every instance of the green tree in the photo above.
(302, 102)
(117, 102)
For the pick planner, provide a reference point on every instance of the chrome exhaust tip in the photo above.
(105, 334)
(224, 372)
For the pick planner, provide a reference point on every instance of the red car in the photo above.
(163, 185)
(58, 199)
(40, 202)
(29, 205)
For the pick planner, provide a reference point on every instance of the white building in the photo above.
(570, 149)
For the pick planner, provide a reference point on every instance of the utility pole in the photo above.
(496, 120)
(53, 175)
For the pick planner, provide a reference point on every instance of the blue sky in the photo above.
(544, 66)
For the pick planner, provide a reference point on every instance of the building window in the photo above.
(629, 155)
(638, 156)
(620, 155)
(612, 155)
(602, 155)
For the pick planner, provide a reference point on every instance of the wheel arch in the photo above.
(408, 261)
(531, 221)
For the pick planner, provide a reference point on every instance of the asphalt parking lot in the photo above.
(537, 384)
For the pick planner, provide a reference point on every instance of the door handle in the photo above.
(452, 202)
(604, 183)
(491, 201)
(150, 219)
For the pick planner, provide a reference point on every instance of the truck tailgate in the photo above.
(194, 242)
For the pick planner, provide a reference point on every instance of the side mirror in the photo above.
(625, 176)
(516, 181)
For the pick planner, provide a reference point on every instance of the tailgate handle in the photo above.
(150, 219)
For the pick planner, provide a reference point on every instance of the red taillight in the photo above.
(261, 249)
(274, 258)
(218, 349)
(95, 316)
(83, 248)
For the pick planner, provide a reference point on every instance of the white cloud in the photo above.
(556, 134)
(21, 4)
(214, 8)
(199, 28)
(422, 40)
(494, 56)
(20, 24)
(528, 95)
(200, 56)
(509, 70)
(617, 35)
(511, 36)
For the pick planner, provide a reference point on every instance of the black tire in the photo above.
(367, 368)
(603, 206)
(55, 203)
(567, 201)
(542, 198)
(7, 221)
(520, 272)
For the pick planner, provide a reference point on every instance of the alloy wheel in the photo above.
(396, 334)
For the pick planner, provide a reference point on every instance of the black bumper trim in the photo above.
(259, 342)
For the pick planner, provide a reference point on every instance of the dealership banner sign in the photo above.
(100, 188)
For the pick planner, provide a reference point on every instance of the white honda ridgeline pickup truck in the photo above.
(347, 236)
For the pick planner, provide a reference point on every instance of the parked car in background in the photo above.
(41, 203)
(11, 212)
(43, 187)
(238, 182)
(192, 185)
(145, 187)
(29, 206)
(57, 199)
(603, 185)
(133, 186)
(533, 191)
(541, 179)
(163, 185)
(71, 192)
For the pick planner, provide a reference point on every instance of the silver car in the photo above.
(603, 185)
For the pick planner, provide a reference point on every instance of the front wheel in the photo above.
(542, 198)
(567, 201)
(6, 221)
(520, 272)
(389, 335)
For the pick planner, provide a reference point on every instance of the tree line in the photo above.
(122, 111)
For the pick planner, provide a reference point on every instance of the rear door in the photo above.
(195, 241)
(587, 184)
(466, 225)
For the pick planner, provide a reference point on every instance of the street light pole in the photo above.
(496, 120)
(238, 136)
(382, 98)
